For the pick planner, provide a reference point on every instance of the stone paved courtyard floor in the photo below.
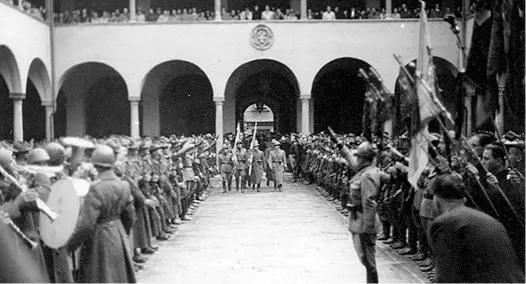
(270, 237)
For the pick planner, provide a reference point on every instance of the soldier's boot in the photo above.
(386, 231)
(224, 186)
(419, 256)
(237, 184)
(258, 187)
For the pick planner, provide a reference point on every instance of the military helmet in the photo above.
(366, 150)
(57, 153)
(37, 155)
(103, 156)
(6, 158)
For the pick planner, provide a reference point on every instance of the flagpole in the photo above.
(419, 81)
(251, 149)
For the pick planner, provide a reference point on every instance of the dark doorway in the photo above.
(34, 114)
(338, 95)
(273, 89)
(60, 116)
(186, 106)
(108, 108)
(6, 112)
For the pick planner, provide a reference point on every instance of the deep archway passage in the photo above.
(38, 90)
(186, 106)
(6, 112)
(177, 98)
(92, 100)
(263, 82)
(338, 96)
(446, 74)
(34, 114)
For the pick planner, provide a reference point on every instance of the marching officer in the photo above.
(277, 160)
(225, 166)
(256, 156)
(240, 164)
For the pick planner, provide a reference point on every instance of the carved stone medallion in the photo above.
(262, 37)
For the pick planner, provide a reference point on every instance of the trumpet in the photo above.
(42, 206)
(30, 243)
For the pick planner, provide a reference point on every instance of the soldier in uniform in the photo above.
(225, 166)
(240, 165)
(257, 157)
(277, 160)
(105, 220)
(363, 194)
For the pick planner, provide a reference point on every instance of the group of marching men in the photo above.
(406, 213)
(140, 190)
(248, 164)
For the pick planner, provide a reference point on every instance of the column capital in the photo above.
(219, 100)
(305, 97)
(17, 96)
(134, 100)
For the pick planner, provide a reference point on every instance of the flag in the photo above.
(426, 106)
(404, 100)
(378, 104)
(476, 71)
(237, 139)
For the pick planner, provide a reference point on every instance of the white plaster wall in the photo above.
(28, 38)
(219, 48)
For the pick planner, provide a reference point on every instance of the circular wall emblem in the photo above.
(262, 37)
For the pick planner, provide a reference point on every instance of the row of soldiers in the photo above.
(494, 184)
(140, 191)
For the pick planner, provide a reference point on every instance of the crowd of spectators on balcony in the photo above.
(193, 15)
(26, 6)
(267, 13)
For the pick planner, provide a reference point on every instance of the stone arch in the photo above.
(92, 100)
(38, 92)
(9, 70)
(338, 95)
(268, 80)
(178, 97)
(446, 73)
(39, 76)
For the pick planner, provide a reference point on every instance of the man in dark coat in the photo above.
(469, 246)
(105, 221)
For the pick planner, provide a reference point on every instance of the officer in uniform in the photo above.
(277, 160)
(225, 166)
(240, 164)
(256, 156)
(364, 189)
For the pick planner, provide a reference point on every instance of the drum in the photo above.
(65, 199)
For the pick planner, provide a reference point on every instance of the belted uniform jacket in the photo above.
(364, 190)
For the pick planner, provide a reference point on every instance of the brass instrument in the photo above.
(31, 244)
(40, 204)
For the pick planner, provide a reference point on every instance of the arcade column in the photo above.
(305, 113)
(219, 101)
(388, 7)
(134, 117)
(217, 9)
(18, 123)
(49, 120)
(304, 9)
(133, 9)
